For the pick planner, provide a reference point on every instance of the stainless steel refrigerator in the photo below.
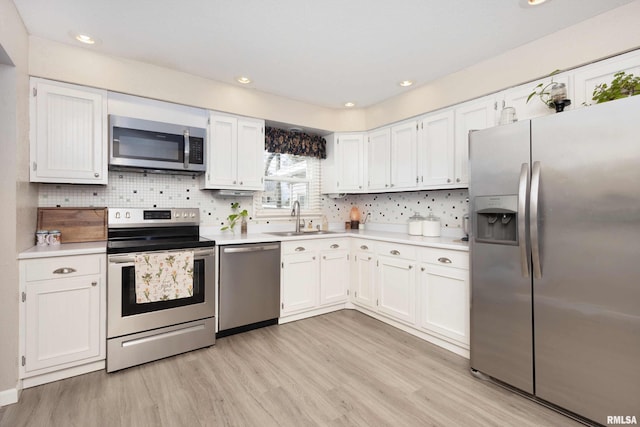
(555, 258)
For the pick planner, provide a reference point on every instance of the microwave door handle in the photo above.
(186, 149)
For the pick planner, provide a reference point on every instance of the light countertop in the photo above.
(444, 242)
(64, 249)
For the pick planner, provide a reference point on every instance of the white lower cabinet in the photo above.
(444, 294)
(300, 280)
(62, 316)
(315, 274)
(363, 274)
(397, 287)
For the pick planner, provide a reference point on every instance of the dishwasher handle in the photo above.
(250, 249)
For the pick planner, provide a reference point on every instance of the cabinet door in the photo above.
(334, 276)
(396, 288)
(435, 150)
(444, 301)
(363, 279)
(62, 321)
(517, 98)
(404, 161)
(350, 162)
(475, 115)
(300, 281)
(588, 77)
(379, 161)
(68, 133)
(250, 154)
(222, 163)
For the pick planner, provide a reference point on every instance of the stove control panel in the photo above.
(138, 217)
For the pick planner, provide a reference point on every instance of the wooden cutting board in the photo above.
(75, 224)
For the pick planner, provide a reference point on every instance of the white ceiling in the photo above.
(325, 52)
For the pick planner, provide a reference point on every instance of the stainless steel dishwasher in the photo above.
(249, 287)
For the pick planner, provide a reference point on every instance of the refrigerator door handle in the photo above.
(522, 208)
(535, 240)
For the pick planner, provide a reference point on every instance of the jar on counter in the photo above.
(431, 226)
(415, 224)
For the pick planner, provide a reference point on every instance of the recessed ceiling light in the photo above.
(349, 104)
(84, 38)
(406, 83)
(526, 3)
(243, 80)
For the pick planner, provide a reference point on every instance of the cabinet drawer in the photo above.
(363, 246)
(457, 259)
(396, 250)
(62, 267)
(298, 246)
(332, 244)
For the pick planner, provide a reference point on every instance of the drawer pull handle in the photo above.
(444, 260)
(364, 247)
(299, 249)
(64, 270)
(334, 246)
(394, 252)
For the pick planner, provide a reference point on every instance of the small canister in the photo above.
(431, 226)
(54, 237)
(415, 224)
(41, 237)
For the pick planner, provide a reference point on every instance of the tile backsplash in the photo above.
(130, 189)
(396, 208)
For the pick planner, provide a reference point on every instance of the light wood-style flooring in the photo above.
(340, 369)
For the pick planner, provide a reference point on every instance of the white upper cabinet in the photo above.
(379, 159)
(436, 150)
(404, 164)
(235, 159)
(587, 78)
(517, 98)
(344, 168)
(474, 115)
(68, 133)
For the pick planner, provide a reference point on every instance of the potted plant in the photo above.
(236, 214)
(622, 86)
(552, 94)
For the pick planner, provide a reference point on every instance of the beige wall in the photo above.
(604, 35)
(19, 198)
(80, 65)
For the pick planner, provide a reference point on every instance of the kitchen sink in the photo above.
(300, 233)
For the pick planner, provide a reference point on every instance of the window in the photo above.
(288, 178)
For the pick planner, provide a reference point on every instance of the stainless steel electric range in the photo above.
(160, 291)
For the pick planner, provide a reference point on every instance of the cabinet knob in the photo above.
(444, 260)
(241, 183)
(458, 180)
(421, 268)
(234, 182)
(97, 175)
(448, 179)
(324, 257)
(364, 247)
(313, 258)
(394, 252)
(94, 283)
(299, 249)
(410, 267)
(334, 246)
(369, 259)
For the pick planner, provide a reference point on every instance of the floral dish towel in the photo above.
(163, 276)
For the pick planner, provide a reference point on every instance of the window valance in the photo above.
(298, 143)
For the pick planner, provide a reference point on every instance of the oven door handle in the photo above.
(130, 258)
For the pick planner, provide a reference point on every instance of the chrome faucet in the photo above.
(297, 215)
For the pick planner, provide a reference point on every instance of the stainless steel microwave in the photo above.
(150, 146)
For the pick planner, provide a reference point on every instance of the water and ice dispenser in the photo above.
(496, 219)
